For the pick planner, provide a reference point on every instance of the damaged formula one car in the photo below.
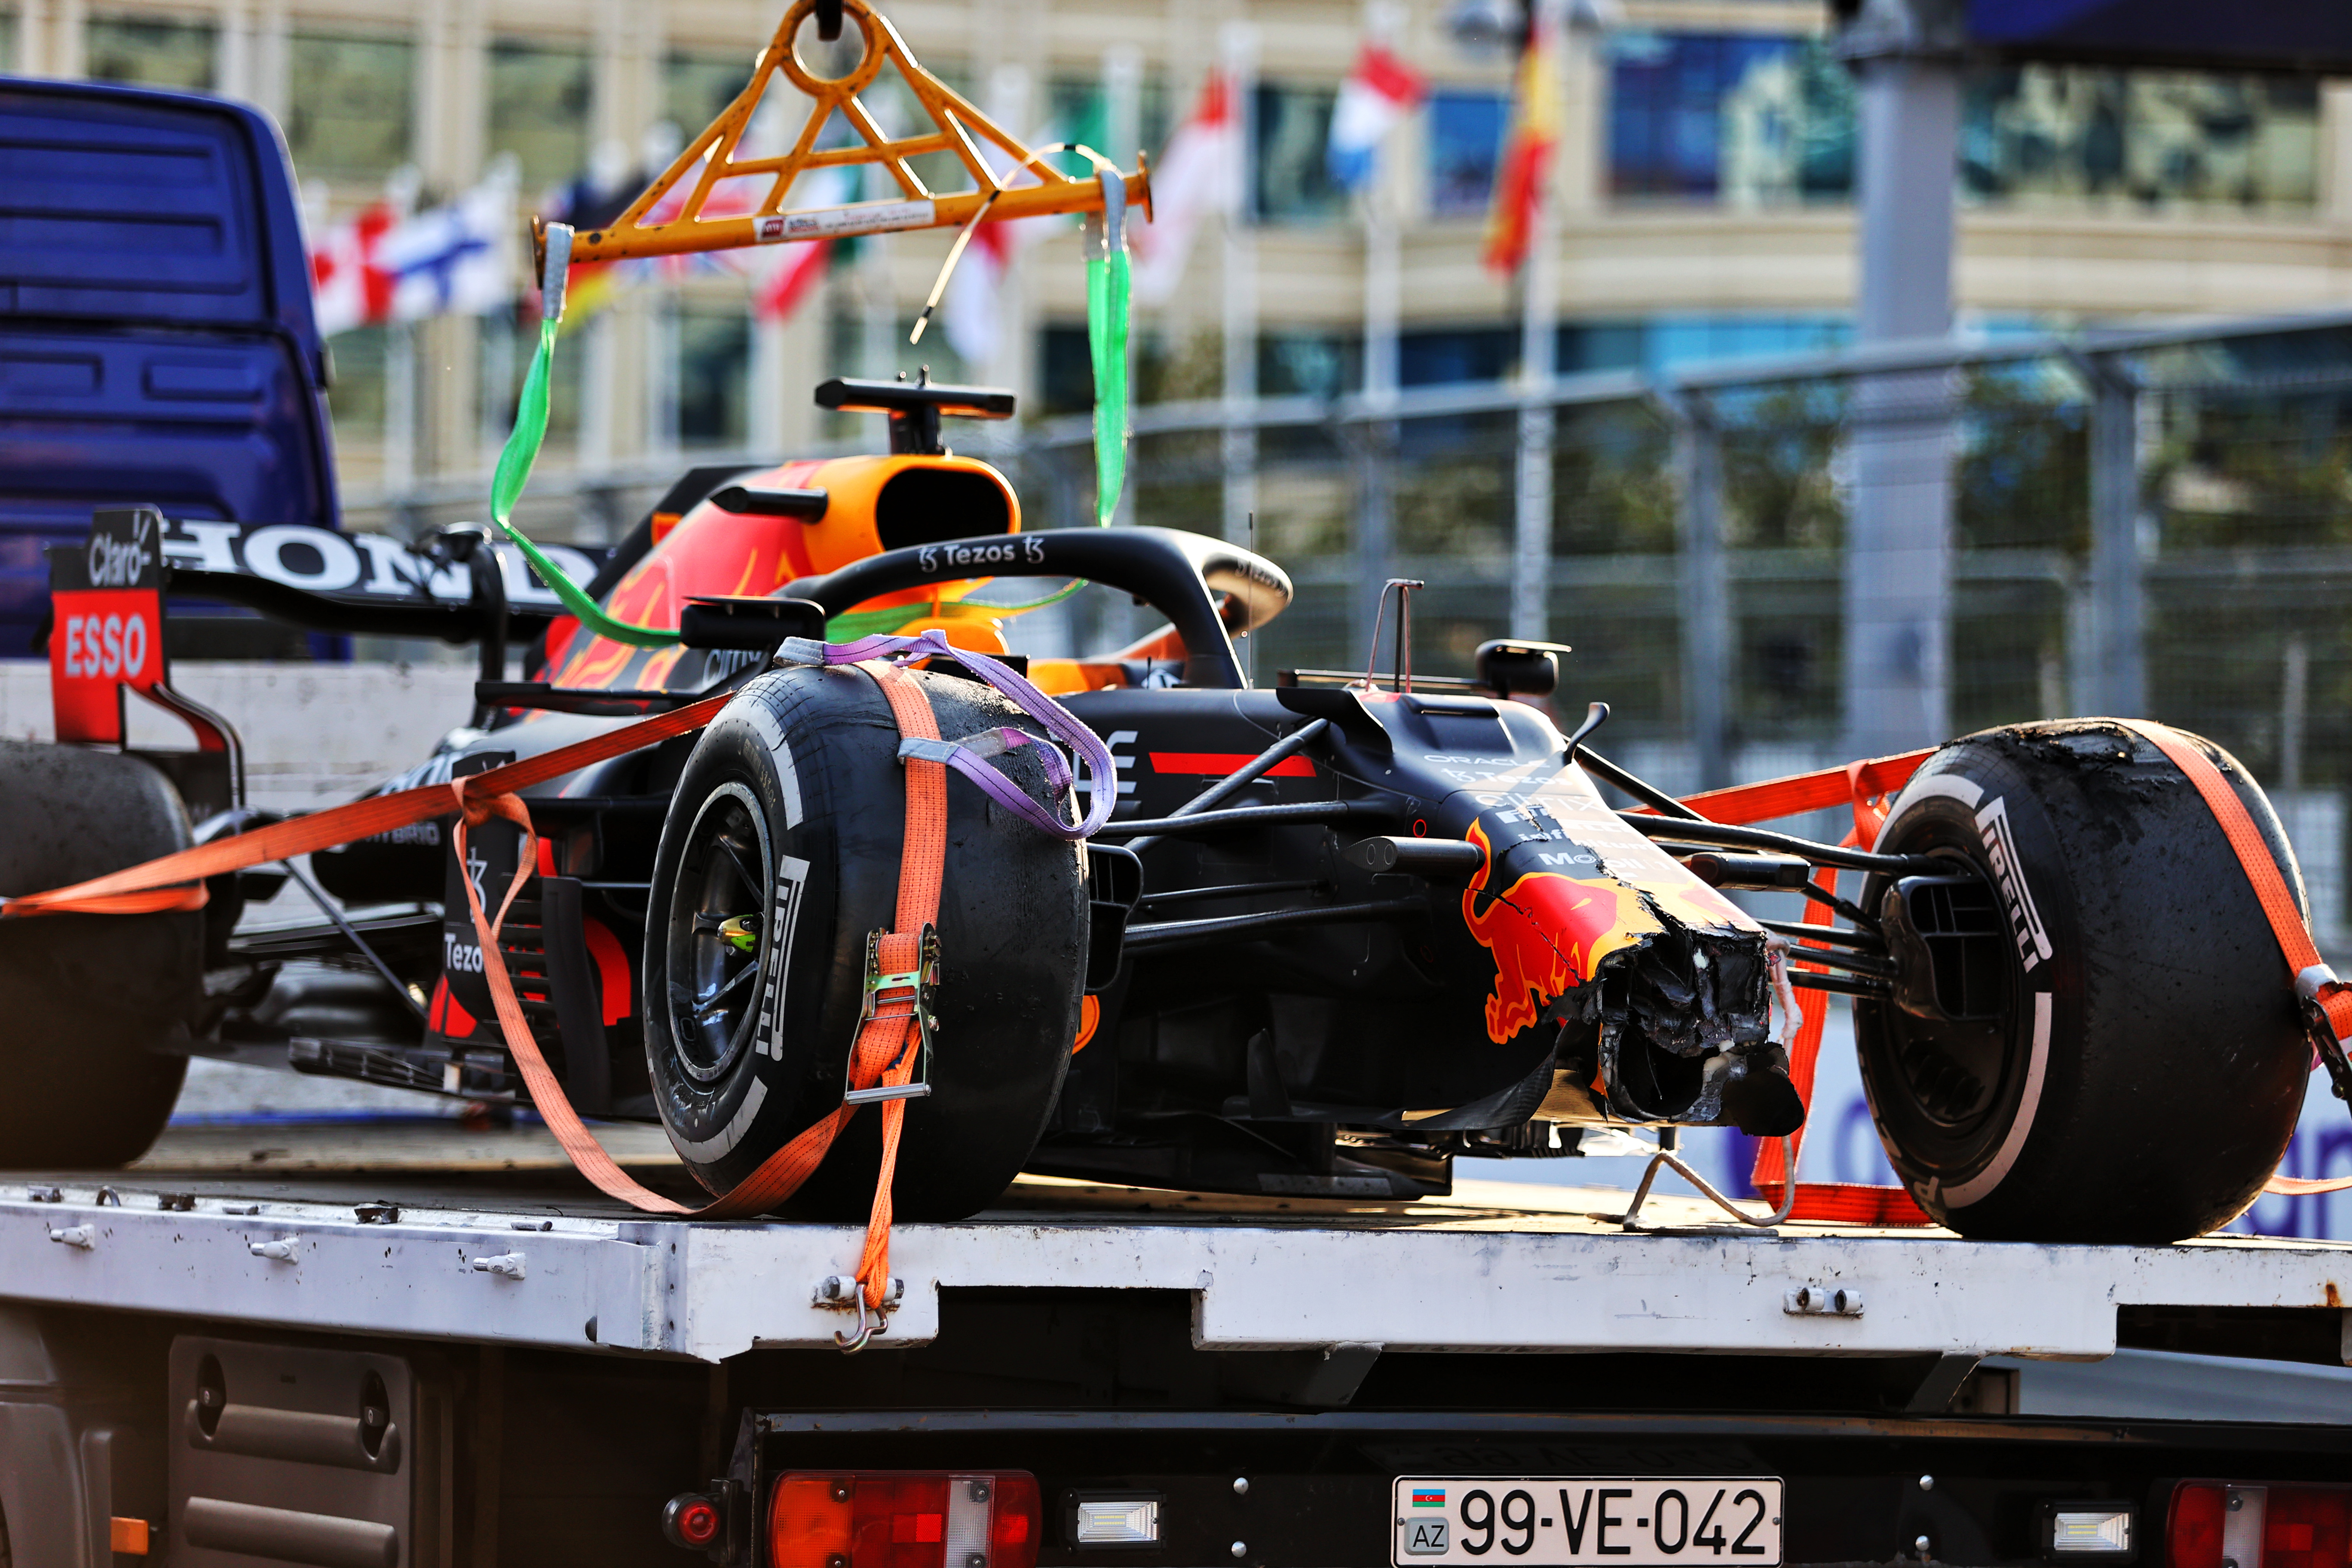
(1335, 933)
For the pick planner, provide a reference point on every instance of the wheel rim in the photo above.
(1945, 1089)
(718, 902)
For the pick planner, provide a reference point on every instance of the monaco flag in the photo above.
(1196, 176)
(1379, 91)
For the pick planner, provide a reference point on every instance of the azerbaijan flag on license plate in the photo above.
(1429, 1496)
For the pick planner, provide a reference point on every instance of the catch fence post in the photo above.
(1704, 579)
(2118, 674)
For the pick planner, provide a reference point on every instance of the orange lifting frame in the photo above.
(956, 127)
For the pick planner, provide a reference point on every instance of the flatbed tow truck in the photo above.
(378, 1348)
(422, 1348)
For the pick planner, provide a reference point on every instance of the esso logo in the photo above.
(107, 648)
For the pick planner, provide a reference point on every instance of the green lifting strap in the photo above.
(522, 450)
(1108, 290)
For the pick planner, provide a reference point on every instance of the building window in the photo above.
(152, 51)
(1748, 119)
(356, 401)
(1077, 110)
(538, 109)
(897, 112)
(1290, 130)
(349, 105)
(1434, 358)
(2077, 134)
(1465, 143)
(1659, 343)
(1309, 364)
(714, 361)
(696, 88)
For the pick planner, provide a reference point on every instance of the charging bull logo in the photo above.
(1548, 933)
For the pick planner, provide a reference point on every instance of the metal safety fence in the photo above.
(2156, 524)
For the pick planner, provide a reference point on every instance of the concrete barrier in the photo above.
(315, 734)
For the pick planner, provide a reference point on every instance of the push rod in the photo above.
(1843, 985)
(1167, 936)
(1852, 962)
(1735, 837)
(1243, 817)
(1834, 936)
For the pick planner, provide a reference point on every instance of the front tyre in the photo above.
(2094, 1038)
(780, 854)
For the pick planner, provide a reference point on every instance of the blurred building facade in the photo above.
(1703, 188)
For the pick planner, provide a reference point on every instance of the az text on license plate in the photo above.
(1625, 1523)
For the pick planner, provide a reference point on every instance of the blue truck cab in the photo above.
(157, 341)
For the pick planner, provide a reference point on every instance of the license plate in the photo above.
(1622, 1522)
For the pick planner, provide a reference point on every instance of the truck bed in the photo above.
(487, 1236)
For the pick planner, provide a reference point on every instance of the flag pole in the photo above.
(1237, 49)
(1539, 357)
(1383, 262)
(1383, 308)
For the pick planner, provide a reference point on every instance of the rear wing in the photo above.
(368, 585)
(109, 597)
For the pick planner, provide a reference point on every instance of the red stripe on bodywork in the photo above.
(1220, 763)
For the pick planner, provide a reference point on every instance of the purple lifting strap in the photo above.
(1057, 719)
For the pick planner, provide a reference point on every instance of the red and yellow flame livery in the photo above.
(1551, 933)
(872, 504)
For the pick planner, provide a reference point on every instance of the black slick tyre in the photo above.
(780, 854)
(2094, 1037)
(88, 1003)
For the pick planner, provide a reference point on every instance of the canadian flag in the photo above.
(1378, 93)
(350, 288)
(1196, 176)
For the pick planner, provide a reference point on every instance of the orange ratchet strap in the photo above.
(118, 892)
(887, 1044)
(2325, 1001)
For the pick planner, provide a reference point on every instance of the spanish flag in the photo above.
(1526, 150)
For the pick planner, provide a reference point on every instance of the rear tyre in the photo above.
(87, 1003)
(780, 853)
(2094, 1038)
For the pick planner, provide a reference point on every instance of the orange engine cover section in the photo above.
(876, 504)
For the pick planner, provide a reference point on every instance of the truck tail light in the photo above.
(2214, 1524)
(903, 1519)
